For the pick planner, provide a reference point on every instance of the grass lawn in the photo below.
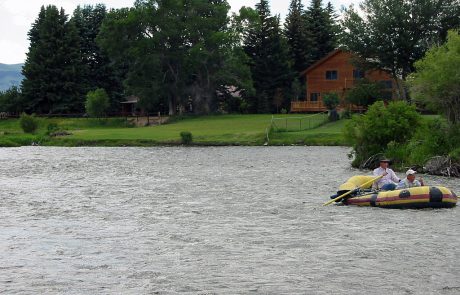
(327, 134)
(206, 130)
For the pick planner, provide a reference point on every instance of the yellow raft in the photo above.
(415, 197)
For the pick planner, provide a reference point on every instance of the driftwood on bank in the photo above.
(439, 165)
(372, 162)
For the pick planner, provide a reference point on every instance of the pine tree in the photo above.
(321, 24)
(53, 69)
(298, 36)
(270, 62)
(99, 71)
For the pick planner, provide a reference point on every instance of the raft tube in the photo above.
(412, 198)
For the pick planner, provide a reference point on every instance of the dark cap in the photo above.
(385, 160)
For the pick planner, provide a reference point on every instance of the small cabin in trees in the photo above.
(336, 73)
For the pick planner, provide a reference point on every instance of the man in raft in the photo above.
(389, 179)
(409, 181)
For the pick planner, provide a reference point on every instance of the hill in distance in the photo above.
(10, 75)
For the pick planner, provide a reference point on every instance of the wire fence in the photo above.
(293, 124)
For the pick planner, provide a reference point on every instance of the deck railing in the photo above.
(318, 106)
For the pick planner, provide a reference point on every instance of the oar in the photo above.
(352, 191)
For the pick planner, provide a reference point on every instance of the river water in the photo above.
(224, 220)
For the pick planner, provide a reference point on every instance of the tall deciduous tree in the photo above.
(270, 62)
(393, 34)
(436, 81)
(176, 49)
(53, 69)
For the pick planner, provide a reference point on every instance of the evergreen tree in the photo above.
(321, 25)
(100, 72)
(298, 36)
(53, 69)
(269, 61)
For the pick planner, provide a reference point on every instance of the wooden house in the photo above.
(335, 73)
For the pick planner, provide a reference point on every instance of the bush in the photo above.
(29, 124)
(345, 114)
(186, 137)
(371, 133)
(434, 138)
(52, 127)
(364, 93)
(284, 111)
(97, 103)
(331, 100)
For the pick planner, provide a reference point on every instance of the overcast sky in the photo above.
(16, 17)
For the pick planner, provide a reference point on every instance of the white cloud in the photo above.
(16, 17)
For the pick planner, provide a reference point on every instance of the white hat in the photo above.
(410, 171)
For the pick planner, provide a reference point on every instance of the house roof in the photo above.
(321, 61)
(131, 99)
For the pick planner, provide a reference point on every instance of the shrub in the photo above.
(434, 138)
(371, 133)
(186, 137)
(331, 100)
(284, 111)
(364, 93)
(345, 114)
(52, 127)
(455, 155)
(97, 103)
(29, 123)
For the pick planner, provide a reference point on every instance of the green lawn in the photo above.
(327, 134)
(206, 130)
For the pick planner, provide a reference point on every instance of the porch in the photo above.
(318, 106)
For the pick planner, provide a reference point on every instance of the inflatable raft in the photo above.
(415, 197)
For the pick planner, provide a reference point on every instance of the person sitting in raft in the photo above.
(409, 181)
(389, 179)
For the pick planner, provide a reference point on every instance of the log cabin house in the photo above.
(335, 73)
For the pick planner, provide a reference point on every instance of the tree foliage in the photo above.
(371, 133)
(97, 103)
(11, 101)
(99, 71)
(364, 93)
(269, 60)
(331, 100)
(393, 34)
(436, 81)
(53, 69)
(323, 28)
(299, 37)
(28, 123)
(176, 49)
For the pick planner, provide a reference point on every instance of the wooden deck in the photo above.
(318, 106)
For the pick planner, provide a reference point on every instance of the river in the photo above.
(223, 220)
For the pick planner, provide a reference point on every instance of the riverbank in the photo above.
(219, 130)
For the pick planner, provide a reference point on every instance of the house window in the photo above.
(331, 75)
(387, 84)
(314, 96)
(358, 74)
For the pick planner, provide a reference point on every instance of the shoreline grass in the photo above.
(217, 130)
